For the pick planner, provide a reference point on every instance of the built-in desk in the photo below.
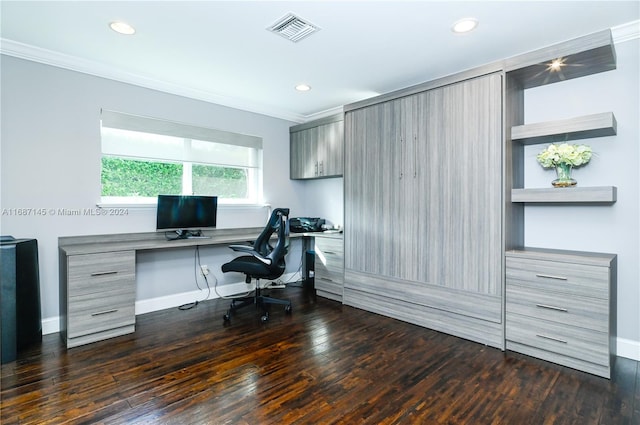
(329, 265)
(98, 278)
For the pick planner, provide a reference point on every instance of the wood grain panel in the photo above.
(513, 163)
(583, 311)
(317, 149)
(304, 156)
(465, 185)
(423, 197)
(296, 156)
(559, 307)
(559, 339)
(482, 331)
(566, 195)
(96, 273)
(581, 56)
(329, 267)
(566, 278)
(371, 197)
(99, 296)
(331, 149)
(584, 127)
(478, 306)
(99, 312)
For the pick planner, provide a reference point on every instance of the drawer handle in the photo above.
(551, 307)
(551, 338)
(100, 313)
(104, 273)
(329, 252)
(548, 276)
(327, 279)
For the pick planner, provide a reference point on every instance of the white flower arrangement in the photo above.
(572, 155)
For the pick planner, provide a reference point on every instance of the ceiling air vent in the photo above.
(293, 28)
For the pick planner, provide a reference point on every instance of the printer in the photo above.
(306, 224)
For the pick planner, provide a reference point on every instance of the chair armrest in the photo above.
(249, 250)
(241, 248)
(265, 260)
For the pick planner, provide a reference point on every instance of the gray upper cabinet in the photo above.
(423, 203)
(316, 149)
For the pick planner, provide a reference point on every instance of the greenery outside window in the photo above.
(144, 157)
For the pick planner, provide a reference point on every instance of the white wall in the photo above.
(50, 158)
(612, 229)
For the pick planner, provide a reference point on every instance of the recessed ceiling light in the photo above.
(464, 25)
(556, 65)
(303, 87)
(122, 28)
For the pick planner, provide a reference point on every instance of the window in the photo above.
(144, 157)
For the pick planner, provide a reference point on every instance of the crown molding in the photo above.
(324, 114)
(620, 34)
(626, 32)
(73, 63)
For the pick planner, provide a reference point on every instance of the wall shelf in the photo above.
(583, 127)
(580, 57)
(568, 195)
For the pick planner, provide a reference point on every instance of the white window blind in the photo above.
(230, 164)
(208, 146)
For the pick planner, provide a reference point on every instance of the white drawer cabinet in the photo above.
(560, 307)
(329, 266)
(97, 297)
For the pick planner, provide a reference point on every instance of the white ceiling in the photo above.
(220, 51)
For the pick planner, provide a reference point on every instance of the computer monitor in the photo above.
(186, 214)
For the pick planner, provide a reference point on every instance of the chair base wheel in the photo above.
(226, 317)
(265, 318)
(287, 309)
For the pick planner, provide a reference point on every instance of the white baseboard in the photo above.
(628, 348)
(227, 290)
(51, 325)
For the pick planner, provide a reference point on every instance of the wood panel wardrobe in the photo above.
(423, 207)
(435, 211)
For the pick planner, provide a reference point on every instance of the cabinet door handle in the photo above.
(104, 273)
(322, 168)
(100, 313)
(401, 162)
(551, 338)
(551, 307)
(316, 172)
(549, 276)
(415, 156)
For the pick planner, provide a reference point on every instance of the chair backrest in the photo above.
(278, 223)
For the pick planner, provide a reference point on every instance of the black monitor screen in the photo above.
(176, 212)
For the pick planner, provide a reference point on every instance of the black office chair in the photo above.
(265, 261)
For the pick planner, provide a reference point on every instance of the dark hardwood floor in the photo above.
(324, 364)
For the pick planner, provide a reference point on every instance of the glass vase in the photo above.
(563, 172)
